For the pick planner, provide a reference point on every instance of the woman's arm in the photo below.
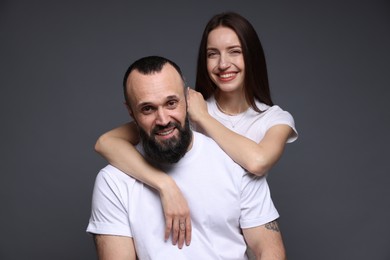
(256, 158)
(117, 146)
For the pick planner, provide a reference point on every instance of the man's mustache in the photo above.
(158, 128)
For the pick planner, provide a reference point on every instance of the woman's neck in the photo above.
(231, 103)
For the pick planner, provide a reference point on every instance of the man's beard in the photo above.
(167, 151)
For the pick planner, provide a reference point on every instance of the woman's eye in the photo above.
(236, 51)
(211, 54)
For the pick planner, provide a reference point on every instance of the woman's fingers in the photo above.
(177, 216)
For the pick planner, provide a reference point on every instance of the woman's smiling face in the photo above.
(225, 60)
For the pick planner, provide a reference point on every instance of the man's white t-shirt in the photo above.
(223, 199)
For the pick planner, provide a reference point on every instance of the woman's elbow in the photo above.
(100, 144)
(259, 166)
(257, 169)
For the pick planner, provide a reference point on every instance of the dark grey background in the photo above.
(61, 66)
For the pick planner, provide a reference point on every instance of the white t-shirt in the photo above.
(252, 124)
(222, 197)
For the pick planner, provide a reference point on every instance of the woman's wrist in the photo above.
(205, 121)
(165, 183)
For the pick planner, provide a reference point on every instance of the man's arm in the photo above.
(114, 247)
(266, 241)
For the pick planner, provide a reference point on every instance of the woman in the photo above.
(239, 116)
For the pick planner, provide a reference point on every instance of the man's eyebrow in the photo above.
(142, 104)
(172, 97)
(147, 103)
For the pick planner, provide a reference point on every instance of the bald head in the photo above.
(147, 66)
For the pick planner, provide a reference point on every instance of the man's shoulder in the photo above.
(110, 169)
(114, 174)
(211, 149)
(201, 136)
(204, 140)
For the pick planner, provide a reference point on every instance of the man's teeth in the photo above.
(227, 75)
(166, 132)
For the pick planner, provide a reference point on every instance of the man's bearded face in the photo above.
(170, 150)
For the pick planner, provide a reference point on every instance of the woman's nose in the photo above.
(224, 62)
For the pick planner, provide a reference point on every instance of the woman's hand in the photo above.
(197, 106)
(177, 215)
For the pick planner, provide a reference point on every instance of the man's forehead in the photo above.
(156, 86)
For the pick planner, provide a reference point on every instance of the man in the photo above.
(229, 207)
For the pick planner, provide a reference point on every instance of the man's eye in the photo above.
(147, 110)
(172, 103)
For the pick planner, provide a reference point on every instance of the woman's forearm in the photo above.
(119, 152)
(256, 158)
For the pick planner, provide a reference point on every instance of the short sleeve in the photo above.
(257, 207)
(109, 214)
(278, 116)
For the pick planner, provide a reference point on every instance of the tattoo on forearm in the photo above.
(273, 225)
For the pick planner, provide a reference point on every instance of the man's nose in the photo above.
(162, 116)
